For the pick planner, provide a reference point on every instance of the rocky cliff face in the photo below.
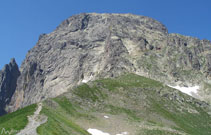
(8, 79)
(89, 46)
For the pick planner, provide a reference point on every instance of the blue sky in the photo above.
(22, 21)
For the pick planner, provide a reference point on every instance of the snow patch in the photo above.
(84, 81)
(106, 117)
(188, 90)
(96, 132)
(87, 79)
(123, 133)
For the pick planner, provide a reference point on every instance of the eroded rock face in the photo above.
(90, 46)
(8, 79)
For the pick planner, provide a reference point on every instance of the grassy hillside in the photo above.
(14, 122)
(129, 103)
(134, 104)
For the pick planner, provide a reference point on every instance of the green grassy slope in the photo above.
(59, 118)
(134, 104)
(14, 122)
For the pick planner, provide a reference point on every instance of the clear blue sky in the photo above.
(22, 21)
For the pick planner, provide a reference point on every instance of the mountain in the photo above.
(124, 105)
(84, 47)
(111, 72)
(89, 46)
(8, 78)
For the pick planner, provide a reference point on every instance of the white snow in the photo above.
(188, 90)
(96, 132)
(88, 79)
(106, 117)
(123, 133)
(84, 81)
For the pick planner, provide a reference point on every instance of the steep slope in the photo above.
(126, 105)
(34, 121)
(8, 79)
(12, 123)
(89, 46)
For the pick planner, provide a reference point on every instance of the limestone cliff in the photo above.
(8, 79)
(89, 46)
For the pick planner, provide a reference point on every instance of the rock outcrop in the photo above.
(8, 79)
(89, 46)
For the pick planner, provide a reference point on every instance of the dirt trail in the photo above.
(34, 122)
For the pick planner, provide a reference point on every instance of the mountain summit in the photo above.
(8, 78)
(89, 46)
